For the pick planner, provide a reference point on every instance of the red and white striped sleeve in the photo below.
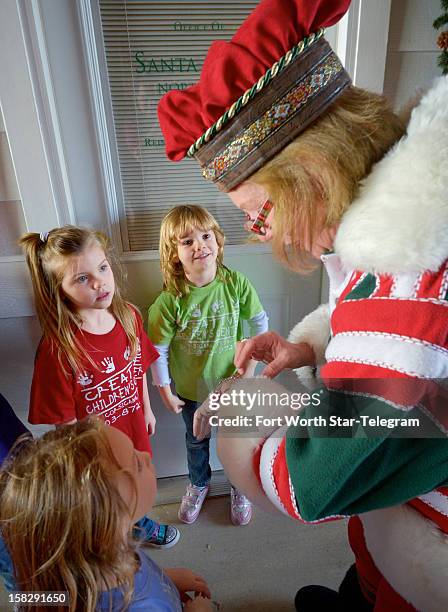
(275, 480)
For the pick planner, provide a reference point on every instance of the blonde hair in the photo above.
(47, 260)
(320, 171)
(179, 222)
(62, 517)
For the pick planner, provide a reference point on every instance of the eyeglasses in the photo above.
(258, 226)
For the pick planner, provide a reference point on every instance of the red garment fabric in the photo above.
(230, 68)
(282, 482)
(113, 390)
(387, 599)
(434, 506)
(374, 586)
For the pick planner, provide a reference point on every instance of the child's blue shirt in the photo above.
(153, 590)
(11, 427)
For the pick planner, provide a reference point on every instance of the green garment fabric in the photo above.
(201, 329)
(366, 469)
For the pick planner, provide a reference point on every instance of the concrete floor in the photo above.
(257, 568)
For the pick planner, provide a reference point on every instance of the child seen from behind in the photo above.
(92, 476)
(195, 324)
(94, 352)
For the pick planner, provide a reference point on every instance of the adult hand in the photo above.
(274, 350)
(186, 580)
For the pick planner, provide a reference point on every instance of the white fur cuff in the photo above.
(314, 329)
(411, 553)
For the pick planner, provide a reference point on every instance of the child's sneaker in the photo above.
(161, 536)
(240, 508)
(192, 503)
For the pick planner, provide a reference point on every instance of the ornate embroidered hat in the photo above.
(256, 92)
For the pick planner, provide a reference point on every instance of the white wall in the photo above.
(411, 61)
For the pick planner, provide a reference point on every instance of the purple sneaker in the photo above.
(240, 508)
(192, 503)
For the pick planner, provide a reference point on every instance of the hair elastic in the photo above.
(43, 236)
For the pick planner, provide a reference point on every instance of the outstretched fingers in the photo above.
(257, 348)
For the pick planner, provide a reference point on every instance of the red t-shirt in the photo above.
(114, 391)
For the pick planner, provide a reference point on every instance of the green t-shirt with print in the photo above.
(201, 329)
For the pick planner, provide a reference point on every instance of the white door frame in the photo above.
(362, 42)
(30, 115)
(32, 129)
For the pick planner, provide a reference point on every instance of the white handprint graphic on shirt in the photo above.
(108, 363)
(217, 306)
(85, 379)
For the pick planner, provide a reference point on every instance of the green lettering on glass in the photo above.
(165, 86)
(154, 142)
(172, 64)
(139, 61)
(169, 66)
(178, 26)
(191, 66)
(152, 66)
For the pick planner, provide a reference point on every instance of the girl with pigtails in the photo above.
(94, 352)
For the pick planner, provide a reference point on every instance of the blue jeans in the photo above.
(145, 528)
(11, 428)
(198, 453)
(6, 571)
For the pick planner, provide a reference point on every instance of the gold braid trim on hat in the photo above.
(303, 90)
(248, 95)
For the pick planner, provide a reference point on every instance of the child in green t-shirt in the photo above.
(195, 324)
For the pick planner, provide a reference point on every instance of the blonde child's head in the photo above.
(48, 257)
(313, 181)
(67, 506)
(179, 222)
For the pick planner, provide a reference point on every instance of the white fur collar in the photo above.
(399, 221)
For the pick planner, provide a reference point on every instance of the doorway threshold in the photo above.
(171, 490)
